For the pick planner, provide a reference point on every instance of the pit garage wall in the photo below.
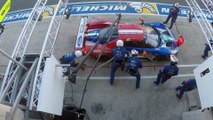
(52, 88)
(105, 7)
(204, 79)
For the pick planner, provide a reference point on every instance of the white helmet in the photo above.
(173, 59)
(134, 52)
(119, 43)
(78, 53)
(177, 5)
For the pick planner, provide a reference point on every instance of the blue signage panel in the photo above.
(163, 9)
(17, 16)
(106, 8)
(101, 7)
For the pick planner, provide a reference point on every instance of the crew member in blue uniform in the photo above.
(1, 28)
(118, 59)
(68, 12)
(70, 59)
(167, 71)
(207, 49)
(173, 13)
(134, 64)
(187, 85)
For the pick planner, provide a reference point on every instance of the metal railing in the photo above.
(201, 18)
(47, 50)
(21, 47)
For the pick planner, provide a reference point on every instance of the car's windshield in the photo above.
(104, 33)
(166, 34)
(151, 36)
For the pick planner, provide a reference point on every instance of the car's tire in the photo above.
(161, 58)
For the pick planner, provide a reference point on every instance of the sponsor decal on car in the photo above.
(79, 41)
(130, 31)
(80, 36)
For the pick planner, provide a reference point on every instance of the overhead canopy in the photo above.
(204, 79)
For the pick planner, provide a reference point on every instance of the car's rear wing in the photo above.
(80, 37)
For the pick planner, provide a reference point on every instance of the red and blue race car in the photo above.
(152, 38)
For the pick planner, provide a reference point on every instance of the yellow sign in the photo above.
(48, 11)
(144, 8)
(4, 10)
(149, 8)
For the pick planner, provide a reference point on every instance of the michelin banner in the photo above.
(83, 8)
(24, 14)
(163, 9)
(114, 7)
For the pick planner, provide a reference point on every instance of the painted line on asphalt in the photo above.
(189, 65)
(129, 77)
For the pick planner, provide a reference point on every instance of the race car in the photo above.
(152, 38)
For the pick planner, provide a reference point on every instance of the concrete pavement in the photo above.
(120, 101)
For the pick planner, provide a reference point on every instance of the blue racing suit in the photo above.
(68, 59)
(173, 13)
(187, 85)
(207, 49)
(133, 66)
(166, 73)
(118, 60)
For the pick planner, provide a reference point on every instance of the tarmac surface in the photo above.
(120, 101)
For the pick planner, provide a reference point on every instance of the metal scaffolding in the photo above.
(19, 52)
(209, 5)
(47, 51)
(24, 71)
(17, 76)
(201, 17)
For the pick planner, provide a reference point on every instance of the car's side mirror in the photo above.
(180, 40)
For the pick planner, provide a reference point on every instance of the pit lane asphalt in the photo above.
(24, 4)
(120, 101)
